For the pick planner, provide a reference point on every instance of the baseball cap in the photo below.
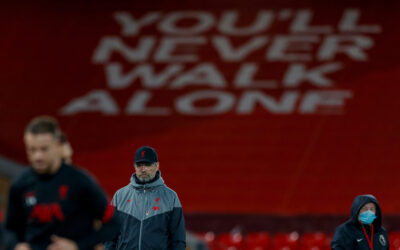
(146, 154)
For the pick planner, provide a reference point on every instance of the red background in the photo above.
(259, 163)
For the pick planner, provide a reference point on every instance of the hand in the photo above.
(99, 247)
(22, 246)
(60, 243)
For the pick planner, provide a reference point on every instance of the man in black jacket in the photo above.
(53, 205)
(363, 230)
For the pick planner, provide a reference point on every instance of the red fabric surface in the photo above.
(277, 161)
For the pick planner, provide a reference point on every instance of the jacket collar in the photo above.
(153, 184)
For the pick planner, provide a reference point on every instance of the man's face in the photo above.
(368, 206)
(146, 171)
(43, 151)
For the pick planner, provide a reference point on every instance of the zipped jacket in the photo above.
(151, 217)
(351, 235)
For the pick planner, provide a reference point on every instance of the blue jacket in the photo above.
(151, 216)
(350, 235)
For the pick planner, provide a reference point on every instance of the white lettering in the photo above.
(170, 45)
(229, 19)
(116, 79)
(332, 101)
(204, 21)
(249, 100)
(130, 26)
(224, 102)
(277, 51)
(108, 45)
(333, 45)
(245, 78)
(301, 23)
(95, 101)
(139, 102)
(349, 21)
(203, 74)
(228, 53)
(297, 73)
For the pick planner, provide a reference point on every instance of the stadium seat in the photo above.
(229, 241)
(286, 241)
(394, 240)
(257, 241)
(314, 241)
(208, 237)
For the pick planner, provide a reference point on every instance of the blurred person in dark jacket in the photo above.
(53, 205)
(66, 155)
(364, 228)
(66, 149)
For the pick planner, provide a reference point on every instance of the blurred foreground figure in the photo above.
(151, 212)
(363, 230)
(66, 156)
(66, 149)
(53, 205)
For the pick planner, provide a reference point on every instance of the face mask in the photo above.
(367, 217)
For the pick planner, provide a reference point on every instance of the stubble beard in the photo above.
(146, 177)
(40, 169)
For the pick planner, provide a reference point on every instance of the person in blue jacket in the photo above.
(150, 212)
(364, 228)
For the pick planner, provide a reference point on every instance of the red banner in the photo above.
(253, 108)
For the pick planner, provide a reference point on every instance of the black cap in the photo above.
(146, 154)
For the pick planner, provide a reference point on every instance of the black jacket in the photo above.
(350, 235)
(65, 204)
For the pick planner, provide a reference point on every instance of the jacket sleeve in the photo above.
(176, 227)
(15, 218)
(96, 201)
(112, 244)
(341, 241)
(386, 238)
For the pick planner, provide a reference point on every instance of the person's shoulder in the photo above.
(340, 228)
(26, 173)
(382, 230)
(169, 191)
(351, 230)
(124, 189)
(344, 237)
(78, 174)
(345, 234)
(346, 228)
(122, 194)
(76, 171)
(26, 178)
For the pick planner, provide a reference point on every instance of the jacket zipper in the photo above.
(143, 216)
